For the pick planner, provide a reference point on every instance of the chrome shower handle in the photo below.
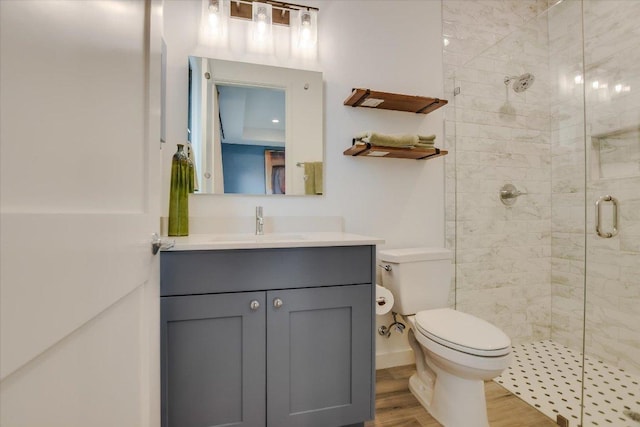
(614, 230)
(506, 194)
(509, 193)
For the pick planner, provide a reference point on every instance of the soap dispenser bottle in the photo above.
(182, 183)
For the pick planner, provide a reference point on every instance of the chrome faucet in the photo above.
(259, 221)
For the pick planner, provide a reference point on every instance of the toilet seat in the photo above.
(463, 332)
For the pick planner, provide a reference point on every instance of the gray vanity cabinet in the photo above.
(268, 337)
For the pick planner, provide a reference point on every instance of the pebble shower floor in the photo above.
(548, 376)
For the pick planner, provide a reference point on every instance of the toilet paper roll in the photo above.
(384, 300)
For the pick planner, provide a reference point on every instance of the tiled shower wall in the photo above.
(503, 254)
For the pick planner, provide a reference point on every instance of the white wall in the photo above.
(387, 46)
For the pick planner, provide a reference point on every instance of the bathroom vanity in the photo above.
(264, 331)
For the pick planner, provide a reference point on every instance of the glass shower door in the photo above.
(612, 293)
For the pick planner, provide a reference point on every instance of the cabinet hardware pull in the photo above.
(254, 305)
(277, 302)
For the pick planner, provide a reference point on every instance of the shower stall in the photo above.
(543, 206)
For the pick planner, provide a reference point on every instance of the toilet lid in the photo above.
(463, 332)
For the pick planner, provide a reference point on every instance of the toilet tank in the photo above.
(418, 278)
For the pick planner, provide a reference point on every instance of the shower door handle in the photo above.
(614, 229)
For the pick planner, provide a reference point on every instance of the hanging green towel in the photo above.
(317, 169)
(309, 178)
(182, 183)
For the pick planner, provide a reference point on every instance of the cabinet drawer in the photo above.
(202, 272)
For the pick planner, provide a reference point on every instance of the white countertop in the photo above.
(200, 242)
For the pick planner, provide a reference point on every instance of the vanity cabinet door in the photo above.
(213, 360)
(319, 356)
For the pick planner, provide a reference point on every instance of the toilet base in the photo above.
(453, 401)
(421, 391)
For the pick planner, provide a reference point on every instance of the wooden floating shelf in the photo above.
(416, 153)
(393, 101)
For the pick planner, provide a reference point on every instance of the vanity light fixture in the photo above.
(301, 20)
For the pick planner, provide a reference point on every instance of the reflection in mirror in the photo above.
(252, 130)
(255, 129)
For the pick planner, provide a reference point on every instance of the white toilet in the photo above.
(455, 352)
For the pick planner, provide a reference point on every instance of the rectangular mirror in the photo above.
(255, 129)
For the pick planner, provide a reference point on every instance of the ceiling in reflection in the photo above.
(252, 115)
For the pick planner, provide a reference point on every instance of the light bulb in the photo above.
(306, 19)
(595, 84)
(262, 14)
(213, 20)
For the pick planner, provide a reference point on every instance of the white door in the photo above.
(79, 188)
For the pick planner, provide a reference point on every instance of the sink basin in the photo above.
(270, 237)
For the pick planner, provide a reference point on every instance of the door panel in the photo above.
(612, 297)
(213, 350)
(317, 341)
(79, 179)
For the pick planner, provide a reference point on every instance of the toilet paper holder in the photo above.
(382, 300)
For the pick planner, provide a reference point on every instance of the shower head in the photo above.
(521, 82)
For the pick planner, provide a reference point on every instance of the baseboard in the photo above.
(396, 358)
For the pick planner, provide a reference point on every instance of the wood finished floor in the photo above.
(396, 406)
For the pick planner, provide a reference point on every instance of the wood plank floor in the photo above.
(396, 406)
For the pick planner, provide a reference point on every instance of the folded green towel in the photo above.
(426, 145)
(426, 138)
(383, 140)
